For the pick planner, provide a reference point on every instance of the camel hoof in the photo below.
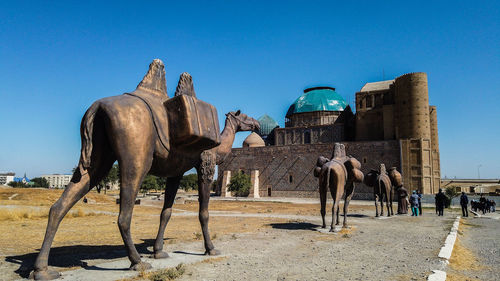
(212, 252)
(332, 229)
(346, 226)
(141, 266)
(323, 226)
(161, 255)
(45, 275)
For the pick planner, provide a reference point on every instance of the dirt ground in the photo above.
(258, 240)
(476, 254)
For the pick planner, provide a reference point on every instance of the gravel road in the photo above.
(398, 248)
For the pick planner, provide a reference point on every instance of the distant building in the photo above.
(393, 124)
(5, 178)
(57, 180)
(24, 179)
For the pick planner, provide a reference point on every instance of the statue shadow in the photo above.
(188, 253)
(294, 226)
(356, 216)
(76, 256)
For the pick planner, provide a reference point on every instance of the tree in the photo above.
(240, 185)
(451, 192)
(149, 183)
(112, 178)
(40, 182)
(16, 184)
(162, 182)
(189, 182)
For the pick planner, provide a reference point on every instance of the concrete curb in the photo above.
(445, 253)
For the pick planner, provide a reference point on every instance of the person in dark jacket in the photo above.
(419, 202)
(440, 201)
(414, 203)
(464, 201)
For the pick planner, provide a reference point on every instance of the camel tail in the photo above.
(86, 131)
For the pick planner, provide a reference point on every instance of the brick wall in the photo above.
(288, 170)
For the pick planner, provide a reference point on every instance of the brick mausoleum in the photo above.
(393, 124)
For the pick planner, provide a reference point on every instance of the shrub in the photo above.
(40, 182)
(189, 182)
(450, 192)
(168, 274)
(240, 185)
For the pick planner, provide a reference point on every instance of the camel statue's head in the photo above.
(242, 122)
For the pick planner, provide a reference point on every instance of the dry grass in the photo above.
(25, 236)
(463, 259)
(344, 233)
(27, 213)
(266, 207)
(42, 196)
(459, 277)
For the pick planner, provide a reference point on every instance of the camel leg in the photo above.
(170, 192)
(205, 175)
(387, 205)
(376, 205)
(338, 214)
(334, 208)
(322, 196)
(131, 179)
(76, 189)
(348, 195)
(74, 192)
(390, 202)
(381, 200)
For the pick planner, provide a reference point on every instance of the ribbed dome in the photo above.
(253, 140)
(267, 124)
(318, 99)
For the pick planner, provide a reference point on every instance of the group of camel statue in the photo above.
(135, 130)
(339, 175)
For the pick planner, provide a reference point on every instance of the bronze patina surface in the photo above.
(382, 189)
(134, 130)
(402, 193)
(337, 175)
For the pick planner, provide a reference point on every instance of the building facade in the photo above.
(5, 178)
(393, 124)
(57, 180)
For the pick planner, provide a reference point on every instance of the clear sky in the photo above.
(56, 58)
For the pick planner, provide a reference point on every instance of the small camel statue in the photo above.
(382, 189)
(338, 175)
(134, 129)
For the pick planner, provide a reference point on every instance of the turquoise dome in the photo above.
(267, 124)
(318, 99)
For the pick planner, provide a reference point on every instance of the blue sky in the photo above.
(56, 58)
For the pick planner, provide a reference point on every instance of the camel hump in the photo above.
(338, 151)
(154, 81)
(382, 169)
(185, 85)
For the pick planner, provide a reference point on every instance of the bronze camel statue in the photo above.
(382, 189)
(133, 129)
(338, 175)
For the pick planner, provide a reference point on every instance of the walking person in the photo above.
(464, 201)
(440, 202)
(414, 203)
(419, 203)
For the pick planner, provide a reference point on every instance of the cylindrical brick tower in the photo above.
(434, 127)
(412, 106)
